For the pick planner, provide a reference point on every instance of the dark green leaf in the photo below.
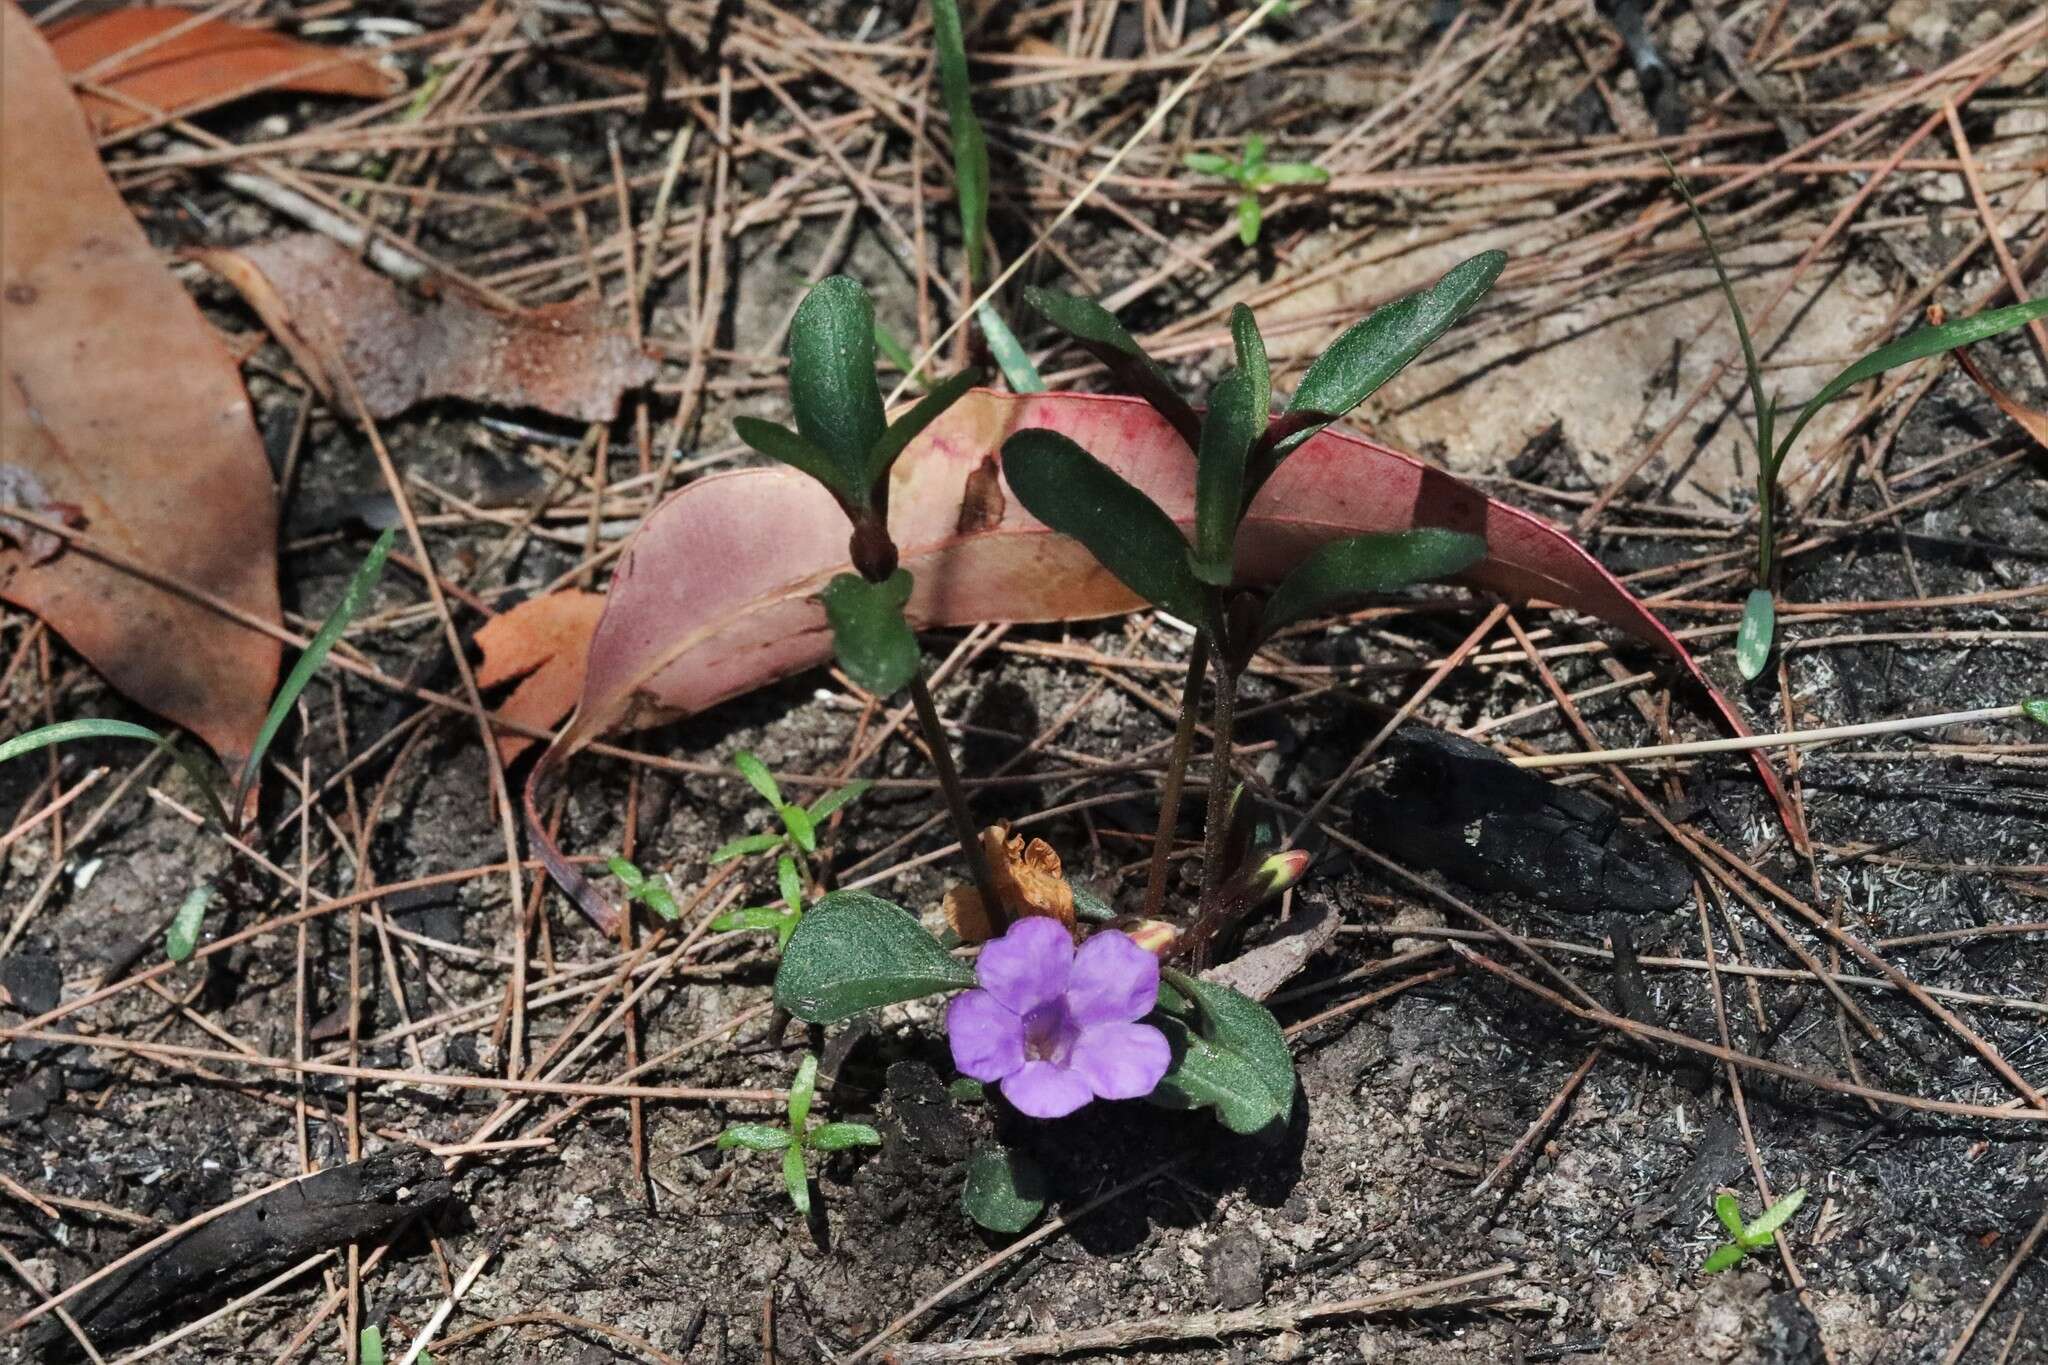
(1773, 1218)
(1726, 1256)
(827, 805)
(906, 428)
(1345, 570)
(1753, 639)
(789, 883)
(758, 777)
(181, 940)
(1077, 495)
(967, 1090)
(755, 1137)
(1250, 218)
(1228, 430)
(875, 645)
(66, 731)
(1205, 1076)
(1103, 337)
(855, 952)
(897, 354)
(801, 1092)
(970, 148)
(797, 821)
(1005, 1190)
(1252, 362)
(1239, 1025)
(837, 1137)
(832, 373)
(1009, 353)
(1913, 346)
(778, 442)
(1375, 350)
(1755, 371)
(1090, 905)
(746, 844)
(796, 1180)
(358, 591)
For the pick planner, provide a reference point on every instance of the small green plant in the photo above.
(226, 811)
(370, 1348)
(1254, 175)
(782, 919)
(798, 1137)
(1747, 1237)
(799, 832)
(652, 892)
(1759, 611)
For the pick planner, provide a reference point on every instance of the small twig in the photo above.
(1781, 740)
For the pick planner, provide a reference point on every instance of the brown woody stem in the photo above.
(956, 799)
(1176, 776)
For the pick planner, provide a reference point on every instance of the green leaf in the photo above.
(1090, 905)
(875, 645)
(1345, 570)
(1775, 1217)
(1375, 350)
(1234, 1059)
(907, 427)
(796, 1180)
(855, 952)
(751, 917)
(358, 591)
(1228, 430)
(1210, 163)
(745, 845)
(970, 147)
(2035, 709)
(755, 1137)
(1077, 495)
(655, 896)
(1753, 639)
(370, 1346)
(1913, 346)
(1752, 368)
(1293, 173)
(801, 1092)
(1250, 218)
(758, 777)
(1103, 337)
(66, 731)
(1254, 155)
(797, 821)
(789, 883)
(832, 373)
(827, 805)
(1726, 1256)
(897, 354)
(967, 1090)
(1009, 353)
(778, 442)
(1252, 362)
(1005, 1190)
(837, 1137)
(182, 938)
(1728, 1209)
(626, 872)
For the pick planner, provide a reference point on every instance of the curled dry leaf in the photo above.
(118, 399)
(717, 592)
(328, 308)
(541, 642)
(1027, 879)
(203, 63)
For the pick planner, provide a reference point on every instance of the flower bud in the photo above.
(1155, 936)
(1278, 872)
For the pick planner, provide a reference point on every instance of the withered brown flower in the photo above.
(1026, 879)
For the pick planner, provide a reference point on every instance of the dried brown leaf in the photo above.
(542, 642)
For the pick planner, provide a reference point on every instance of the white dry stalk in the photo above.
(1784, 739)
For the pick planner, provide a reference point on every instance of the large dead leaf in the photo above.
(325, 306)
(542, 642)
(717, 592)
(119, 400)
(202, 64)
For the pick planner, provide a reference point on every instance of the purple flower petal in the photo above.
(1114, 981)
(1121, 1061)
(1027, 967)
(987, 1040)
(1045, 1091)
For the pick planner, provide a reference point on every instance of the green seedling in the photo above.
(370, 1349)
(652, 892)
(798, 1137)
(1759, 613)
(1747, 1237)
(1254, 175)
(799, 832)
(226, 803)
(782, 919)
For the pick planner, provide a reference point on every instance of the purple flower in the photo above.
(1058, 1027)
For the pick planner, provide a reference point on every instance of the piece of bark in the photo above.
(327, 308)
(184, 1278)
